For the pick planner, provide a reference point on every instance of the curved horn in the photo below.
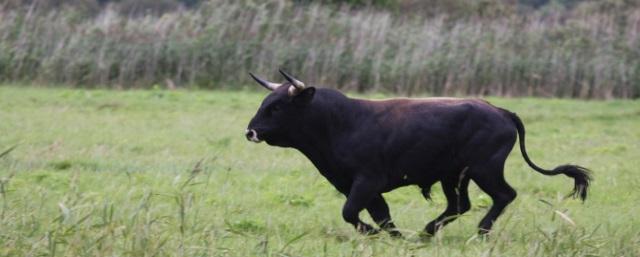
(296, 83)
(266, 84)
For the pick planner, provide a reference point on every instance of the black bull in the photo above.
(366, 148)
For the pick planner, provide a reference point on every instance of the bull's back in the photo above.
(437, 115)
(436, 133)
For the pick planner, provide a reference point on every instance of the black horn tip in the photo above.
(298, 84)
(285, 74)
(266, 84)
(253, 76)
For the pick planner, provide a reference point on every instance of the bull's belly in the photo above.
(422, 176)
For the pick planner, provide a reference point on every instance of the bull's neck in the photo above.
(333, 116)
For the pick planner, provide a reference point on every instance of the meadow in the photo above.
(169, 173)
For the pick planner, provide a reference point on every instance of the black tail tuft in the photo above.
(581, 176)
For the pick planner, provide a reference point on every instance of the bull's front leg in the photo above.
(363, 190)
(379, 211)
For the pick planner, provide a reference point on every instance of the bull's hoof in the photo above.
(425, 236)
(366, 229)
(395, 233)
(484, 233)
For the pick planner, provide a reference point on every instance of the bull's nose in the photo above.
(252, 135)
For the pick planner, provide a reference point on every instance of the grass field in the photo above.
(169, 173)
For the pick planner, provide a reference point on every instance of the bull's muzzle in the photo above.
(252, 136)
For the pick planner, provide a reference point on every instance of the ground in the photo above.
(169, 173)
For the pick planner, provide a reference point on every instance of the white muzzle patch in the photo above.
(252, 136)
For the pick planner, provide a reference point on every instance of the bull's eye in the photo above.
(274, 109)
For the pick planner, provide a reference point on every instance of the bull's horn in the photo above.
(296, 83)
(266, 84)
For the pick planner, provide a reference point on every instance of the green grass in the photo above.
(169, 173)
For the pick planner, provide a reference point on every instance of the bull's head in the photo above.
(280, 114)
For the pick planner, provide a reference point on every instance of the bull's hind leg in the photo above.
(457, 203)
(490, 178)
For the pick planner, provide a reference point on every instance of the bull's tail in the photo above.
(581, 175)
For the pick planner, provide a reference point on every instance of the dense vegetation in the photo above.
(169, 173)
(586, 49)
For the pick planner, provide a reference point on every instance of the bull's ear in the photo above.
(305, 96)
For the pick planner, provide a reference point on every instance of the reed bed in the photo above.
(550, 54)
